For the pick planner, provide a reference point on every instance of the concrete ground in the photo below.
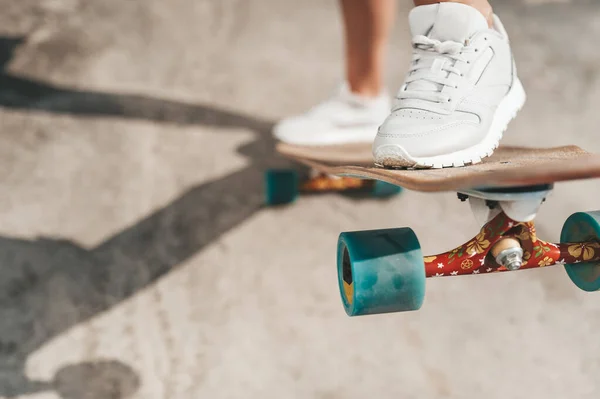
(138, 261)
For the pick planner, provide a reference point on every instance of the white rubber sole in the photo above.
(394, 156)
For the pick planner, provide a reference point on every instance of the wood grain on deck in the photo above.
(508, 166)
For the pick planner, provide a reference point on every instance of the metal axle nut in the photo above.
(511, 258)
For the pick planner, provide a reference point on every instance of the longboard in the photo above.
(384, 270)
(509, 166)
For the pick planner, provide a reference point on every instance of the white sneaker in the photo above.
(345, 118)
(459, 96)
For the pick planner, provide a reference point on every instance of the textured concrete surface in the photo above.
(138, 262)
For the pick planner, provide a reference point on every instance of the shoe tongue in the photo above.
(446, 21)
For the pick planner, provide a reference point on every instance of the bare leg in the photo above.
(367, 26)
(482, 6)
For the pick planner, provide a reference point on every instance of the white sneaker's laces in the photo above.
(432, 69)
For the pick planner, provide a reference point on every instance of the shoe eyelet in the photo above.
(449, 100)
(476, 50)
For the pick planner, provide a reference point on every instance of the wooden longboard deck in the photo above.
(508, 167)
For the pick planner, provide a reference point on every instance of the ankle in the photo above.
(483, 6)
(366, 89)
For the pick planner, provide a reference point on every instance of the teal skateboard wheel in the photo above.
(380, 271)
(581, 227)
(281, 186)
(383, 189)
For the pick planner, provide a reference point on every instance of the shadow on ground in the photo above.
(39, 276)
